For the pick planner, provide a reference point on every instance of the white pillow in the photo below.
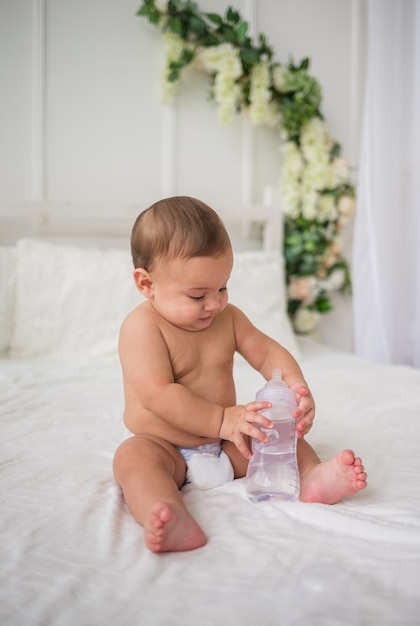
(70, 301)
(7, 296)
(257, 287)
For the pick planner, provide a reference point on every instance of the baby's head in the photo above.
(177, 227)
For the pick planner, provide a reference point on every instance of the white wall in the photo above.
(81, 119)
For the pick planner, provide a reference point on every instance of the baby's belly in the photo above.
(155, 427)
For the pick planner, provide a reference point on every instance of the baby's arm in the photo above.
(148, 371)
(265, 355)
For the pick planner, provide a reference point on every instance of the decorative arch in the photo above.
(315, 182)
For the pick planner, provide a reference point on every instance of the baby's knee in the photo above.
(142, 453)
(126, 457)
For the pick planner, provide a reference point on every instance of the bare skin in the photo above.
(176, 352)
(330, 481)
(171, 528)
(168, 526)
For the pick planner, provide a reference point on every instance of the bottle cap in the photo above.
(277, 391)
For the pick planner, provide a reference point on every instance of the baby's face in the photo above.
(190, 293)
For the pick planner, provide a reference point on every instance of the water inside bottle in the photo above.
(274, 480)
(279, 437)
(273, 471)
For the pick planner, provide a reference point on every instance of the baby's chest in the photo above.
(210, 352)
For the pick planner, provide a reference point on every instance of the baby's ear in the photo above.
(143, 282)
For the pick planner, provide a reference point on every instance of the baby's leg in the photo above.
(150, 472)
(329, 481)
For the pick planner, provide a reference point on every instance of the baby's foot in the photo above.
(168, 528)
(331, 481)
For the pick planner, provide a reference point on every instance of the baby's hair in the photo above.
(177, 227)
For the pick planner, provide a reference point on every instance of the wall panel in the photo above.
(16, 105)
(104, 124)
(82, 120)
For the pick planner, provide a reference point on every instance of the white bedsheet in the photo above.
(70, 553)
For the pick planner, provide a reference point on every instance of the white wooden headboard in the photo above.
(109, 225)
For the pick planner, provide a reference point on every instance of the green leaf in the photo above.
(210, 40)
(186, 57)
(229, 34)
(336, 150)
(304, 64)
(241, 30)
(176, 26)
(172, 9)
(232, 16)
(149, 11)
(323, 304)
(173, 75)
(250, 56)
(213, 17)
(198, 26)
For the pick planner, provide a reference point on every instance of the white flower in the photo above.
(345, 209)
(291, 202)
(173, 47)
(327, 209)
(341, 171)
(291, 179)
(224, 61)
(227, 95)
(293, 157)
(335, 280)
(316, 175)
(272, 116)
(304, 288)
(305, 320)
(278, 78)
(315, 141)
(309, 203)
(260, 95)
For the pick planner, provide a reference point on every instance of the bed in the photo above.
(70, 553)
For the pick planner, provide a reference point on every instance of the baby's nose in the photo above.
(213, 303)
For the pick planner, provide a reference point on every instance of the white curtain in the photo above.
(386, 253)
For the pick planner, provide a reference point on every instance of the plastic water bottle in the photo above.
(273, 471)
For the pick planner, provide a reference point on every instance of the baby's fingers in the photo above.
(255, 421)
(304, 424)
(251, 431)
(255, 417)
(302, 428)
(242, 447)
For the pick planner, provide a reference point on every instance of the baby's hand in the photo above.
(305, 411)
(240, 420)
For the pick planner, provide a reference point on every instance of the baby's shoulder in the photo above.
(141, 314)
(235, 313)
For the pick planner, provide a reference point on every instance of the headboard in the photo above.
(88, 239)
(109, 225)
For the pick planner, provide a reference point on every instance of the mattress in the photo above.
(70, 553)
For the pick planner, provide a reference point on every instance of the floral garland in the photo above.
(316, 189)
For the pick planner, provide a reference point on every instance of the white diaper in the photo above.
(207, 465)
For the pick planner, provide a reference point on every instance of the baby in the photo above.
(176, 352)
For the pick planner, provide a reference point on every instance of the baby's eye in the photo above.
(222, 289)
(197, 298)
